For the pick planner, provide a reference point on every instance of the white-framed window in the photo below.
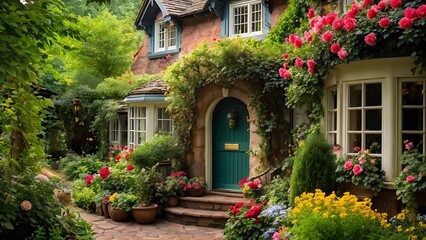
(413, 105)
(332, 116)
(164, 122)
(165, 36)
(137, 126)
(245, 18)
(114, 132)
(363, 125)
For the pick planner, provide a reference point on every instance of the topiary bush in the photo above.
(160, 148)
(314, 167)
(74, 167)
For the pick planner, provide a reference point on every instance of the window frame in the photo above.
(249, 33)
(114, 132)
(137, 115)
(167, 31)
(164, 120)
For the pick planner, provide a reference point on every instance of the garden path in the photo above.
(106, 229)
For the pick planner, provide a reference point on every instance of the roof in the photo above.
(154, 87)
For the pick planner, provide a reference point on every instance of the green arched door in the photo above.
(230, 144)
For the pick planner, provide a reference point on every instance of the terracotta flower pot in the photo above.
(105, 210)
(197, 193)
(358, 191)
(144, 215)
(117, 214)
(173, 201)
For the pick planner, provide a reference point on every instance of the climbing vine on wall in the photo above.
(224, 63)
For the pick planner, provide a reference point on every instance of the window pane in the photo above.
(415, 138)
(412, 93)
(354, 120)
(373, 119)
(332, 121)
(240, 19)
(332, 139)
(373, 142)
(412, 119)
(332, 99)
(354, 140)
(256, 17)
(355, 95)
(373, 94)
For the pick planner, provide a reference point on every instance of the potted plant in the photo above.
(196, 186)
(121, 204)
(411, 180)
(173, 187)
(145, 211)
(361, 173)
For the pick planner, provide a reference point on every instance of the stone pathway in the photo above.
(106, 229)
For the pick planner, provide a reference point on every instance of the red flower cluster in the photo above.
(89, 179)
(130, 167)
(104, 172)
(178, 174)
(236, 208)
(254, 210)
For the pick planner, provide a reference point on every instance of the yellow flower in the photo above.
(399, 228)
(113, 197)
(325, 215)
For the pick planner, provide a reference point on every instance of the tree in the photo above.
(27, 29)
(105, 49)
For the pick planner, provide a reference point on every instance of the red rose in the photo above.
(330, 18)
(410, 13)
(285, 56)
(298, 42)
(311, 13)
(327, 36)
(370, 39)
(357, 169)
(235, 211)
(239, 204)
(281, 72)
(287, 75)
(396, 3)
(131, 150)
(410, 178)
(311, 71)
(299, 62)
(342, 54)
(335, 47)
(126, 156)
(117, 158)
(104, 172)
(313, 22)
(310, 63)
(284, 74)
(382, 4)
(421, 11)
(242, 182)
(348, 165)
(367, 2)
(308, 36)
(405, 23)
(384, 22)
(252, 185)
(338, 24)
(130, 167)
(291, 38)
(89, 179)
(350, 24)
(372, 12)
(285, 65)
(257, 220)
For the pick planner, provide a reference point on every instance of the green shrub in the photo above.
(74, 167)
(314, 167)
(277, 190)
(160, 148)
(84, 198)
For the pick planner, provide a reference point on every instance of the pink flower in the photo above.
(89, 179)
(258, 182)
(276, 236)
(338, 24)
(367, 2)
(126, 156)
(42, 178)
(130, 167)
(405, 23)
(314, 21)
(26, 205)
(384, 22)
(285, 56)
(343, 54)
(421, 11)
(311, 13)
(420, 174)
(291, 38)
(357, 149)
(350, 24)
(410, 178)
(372, 12)
(330, 18)
(335, 48)
(327, 36)
(318, 27)
(47, 174)
(348, 165)
(117, 158)
(396, 3)
(373, 161)
(311, 63)
(299, 62)
(311, 71)
(284, 73)
(357, 169)
(410, 13)
(243, 181)
(308, 36)
(187, 187)
(104, 172)
(361, 160)
(298, 42)
(409, 146)
(405, 170)
(382, 5)
(285, 65)
(370, 39)
(336, 149)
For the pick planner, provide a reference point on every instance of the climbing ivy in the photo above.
(223, 63)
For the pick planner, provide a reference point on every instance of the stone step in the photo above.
(209, 202)
(199, 217)
(227, 193)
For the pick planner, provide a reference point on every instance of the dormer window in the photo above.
(166, 36)
(245, 18)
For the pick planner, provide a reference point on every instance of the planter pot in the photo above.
(144, 215)
(173, 201)
(105, 210)
(98, 210)
(359, 192)
(197, 193)
(117, 214)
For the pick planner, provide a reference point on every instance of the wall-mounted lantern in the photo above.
(76, 105)
(232, 118)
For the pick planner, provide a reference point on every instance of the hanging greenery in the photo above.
(224, 63)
